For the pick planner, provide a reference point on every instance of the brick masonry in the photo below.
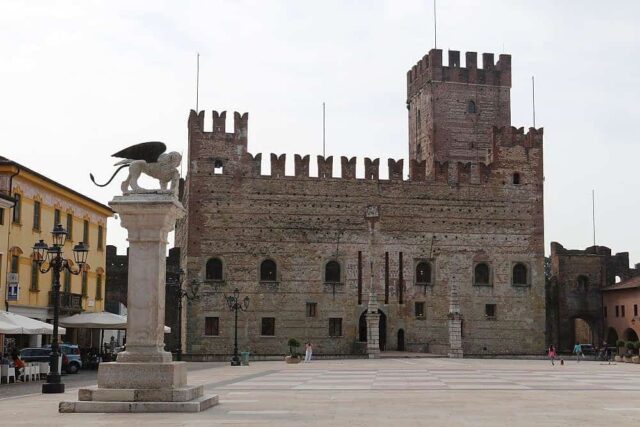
(458, 208)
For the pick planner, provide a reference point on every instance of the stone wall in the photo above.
(574, 291)
(455, 211)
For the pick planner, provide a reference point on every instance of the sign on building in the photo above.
(12, 287)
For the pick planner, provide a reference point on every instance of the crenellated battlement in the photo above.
(510, 136)
(431, 68)
(240, 124)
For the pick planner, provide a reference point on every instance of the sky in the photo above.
(81, 80)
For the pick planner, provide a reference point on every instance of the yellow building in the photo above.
(39, 203)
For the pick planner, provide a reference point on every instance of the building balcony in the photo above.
(69, 303)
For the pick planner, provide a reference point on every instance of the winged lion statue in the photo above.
(148, 158)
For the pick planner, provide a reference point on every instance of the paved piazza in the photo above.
(382, 392)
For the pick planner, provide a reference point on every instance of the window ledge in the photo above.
(211, 336)
(421, 318)
(269, 282)
(489, 317)
(268, 336)
(483, 285)
(424, 284)
(336, 336)
(521, 285)
(34, 290)
(334, 283)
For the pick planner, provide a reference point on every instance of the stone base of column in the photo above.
(141, 387)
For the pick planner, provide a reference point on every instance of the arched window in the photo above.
(332, 272)
(516, 178)
(471, 107)
(583, 282)
(268, 271)
(481, 274)
(214, 269)
(423, 273)
(519, 274)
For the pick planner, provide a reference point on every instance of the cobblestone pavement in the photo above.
(433, 392)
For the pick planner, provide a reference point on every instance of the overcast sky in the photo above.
(81, 80)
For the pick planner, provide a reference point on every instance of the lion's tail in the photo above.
(110, 179)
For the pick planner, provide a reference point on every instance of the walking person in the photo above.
(577, 350)
(552, 354)
(308, 351)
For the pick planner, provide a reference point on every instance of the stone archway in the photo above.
(630, 335)
(612, 336)
(582, 332)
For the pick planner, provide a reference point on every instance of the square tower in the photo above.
(452, 109)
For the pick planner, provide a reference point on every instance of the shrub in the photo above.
(631, 345)
(293, 343)
(620, 343)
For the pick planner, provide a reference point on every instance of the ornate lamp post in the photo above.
(190, 293)
(53, 256)
(234, 304)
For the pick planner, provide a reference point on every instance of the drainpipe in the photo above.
(6, 302)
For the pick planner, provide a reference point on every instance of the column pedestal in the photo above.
(373, 327)
(144, 378)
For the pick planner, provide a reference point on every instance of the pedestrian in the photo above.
(552, 354)
(577, 350)
(308, 351)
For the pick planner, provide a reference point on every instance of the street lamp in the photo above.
(234, 304)
(190, 293)
(56, 263)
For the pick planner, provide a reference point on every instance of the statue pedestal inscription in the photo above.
(144, 379)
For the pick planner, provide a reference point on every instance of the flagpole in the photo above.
(197, 81)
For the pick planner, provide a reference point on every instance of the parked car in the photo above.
(72, 352)
(36, 354)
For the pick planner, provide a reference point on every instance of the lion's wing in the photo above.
(147, 151)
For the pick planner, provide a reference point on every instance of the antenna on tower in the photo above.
(197, 80)
(323, 131)
(533, 99)
(593, 214)
(435, 32)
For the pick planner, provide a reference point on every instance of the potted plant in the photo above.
(631, 346)
(293, 356)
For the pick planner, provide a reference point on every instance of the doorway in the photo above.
(400, 339)
(382, 329)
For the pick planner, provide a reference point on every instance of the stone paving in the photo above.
(460, 392)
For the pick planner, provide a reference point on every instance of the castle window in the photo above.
(419, 120)
(419, 310)
(335, 327)
(35, 270)
(423, 273)
(85, 231)
(490, 311)
(582, 282)
(311, 309)
(519, 276)
(268, 271)
(332, 272)
(268, 328)
(214, 269)
(481, 274)
(100, 238)
(212, 326)
(471, 107)
(218, 167)
(99, 287)
(516, 178)
(56, 217)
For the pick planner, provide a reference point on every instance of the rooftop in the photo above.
(631, 283)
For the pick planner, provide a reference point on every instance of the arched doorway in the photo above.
(382, 327)
(581, 331)
(630, 335)
(400, 339)
(612, 337)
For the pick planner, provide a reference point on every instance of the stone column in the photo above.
(148, 218)
(373, 326)
(144, 378)
(455, 323)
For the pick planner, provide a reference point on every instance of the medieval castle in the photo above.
(448, 261)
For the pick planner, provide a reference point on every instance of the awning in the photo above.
(98, 320)
(11, 323)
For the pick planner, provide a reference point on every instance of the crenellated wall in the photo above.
(470, 191)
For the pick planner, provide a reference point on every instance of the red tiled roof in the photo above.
(634, 282)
